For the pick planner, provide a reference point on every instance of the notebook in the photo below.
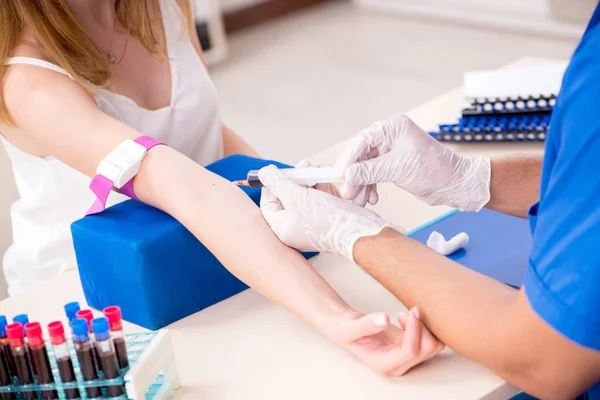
(496, 128)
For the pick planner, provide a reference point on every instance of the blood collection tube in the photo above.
(107, 356)
(5, 345)
(6, 357)
(85, 355)
(23, 319)
(63, 358)
(40, 359)
(71, 310)
(115, 320)
(5, 378)
(88, 315)
(5, 373)
(19, 352)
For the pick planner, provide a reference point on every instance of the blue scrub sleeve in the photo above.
(563, 279)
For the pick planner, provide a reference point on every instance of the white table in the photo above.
(249, 348)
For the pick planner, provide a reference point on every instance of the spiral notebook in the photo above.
(505, 105)
(497, 128)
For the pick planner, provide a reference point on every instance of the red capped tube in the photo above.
(88, 315)
(16, 338)
(39, 358)
(115, 321)
(63, 358)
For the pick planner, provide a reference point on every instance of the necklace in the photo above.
(109, 54)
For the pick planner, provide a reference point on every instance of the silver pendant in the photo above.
(111, 57)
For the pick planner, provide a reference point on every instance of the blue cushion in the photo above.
(145, 261)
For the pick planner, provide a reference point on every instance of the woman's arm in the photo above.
(56, 115)
(234, 144)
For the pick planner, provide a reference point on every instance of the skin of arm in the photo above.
(232, 143)
(515, 184)
(60, 119)
(480, 318)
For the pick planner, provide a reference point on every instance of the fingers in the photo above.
(367, 325)
(418, 342)
(373, 195)
(412, 334)
(304, 164)
(323, 187)
(362, 197)
(402, 320)
(357, 151)
(287, 191)
(370, 172)
(269, 203)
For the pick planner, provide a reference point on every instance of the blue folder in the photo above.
(145, 261)
(499, 244)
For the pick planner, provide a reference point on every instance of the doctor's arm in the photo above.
(480, 318)
(397, 150)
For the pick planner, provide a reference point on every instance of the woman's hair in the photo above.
(66, 43)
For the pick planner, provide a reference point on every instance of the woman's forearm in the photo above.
(226, 221)
(234, 144)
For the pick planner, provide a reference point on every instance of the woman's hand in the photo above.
(386, 348)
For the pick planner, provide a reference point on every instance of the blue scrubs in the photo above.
(562, 282)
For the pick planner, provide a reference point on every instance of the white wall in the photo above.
(542, 17)
(232, 5)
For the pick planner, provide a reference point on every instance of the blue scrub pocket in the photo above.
(145, 261)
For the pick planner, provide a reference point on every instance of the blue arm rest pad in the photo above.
(145, 261)
(499, 244)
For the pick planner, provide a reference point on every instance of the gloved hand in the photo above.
(324, 187)
(397, 150)
(312, 220)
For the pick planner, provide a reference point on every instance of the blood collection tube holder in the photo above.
(152, 374)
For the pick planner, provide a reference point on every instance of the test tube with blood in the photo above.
(5, 374)
(107, 356)
(85, 355)
(40, 359)
(5, 378)
(115, 320)
(88, 315)
(23, 319)
(5, 346)
(63, 358)
(19, 353)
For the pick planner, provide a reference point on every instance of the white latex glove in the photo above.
(397, 150)
(312, 220)
(324, 187)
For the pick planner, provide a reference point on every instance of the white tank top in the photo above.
(53, 195)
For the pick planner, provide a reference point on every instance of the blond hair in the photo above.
(67, 44)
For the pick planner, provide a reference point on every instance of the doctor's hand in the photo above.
(311, 220)
(385, 348)
(397, 150)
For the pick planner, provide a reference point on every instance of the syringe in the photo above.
(302, 176)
